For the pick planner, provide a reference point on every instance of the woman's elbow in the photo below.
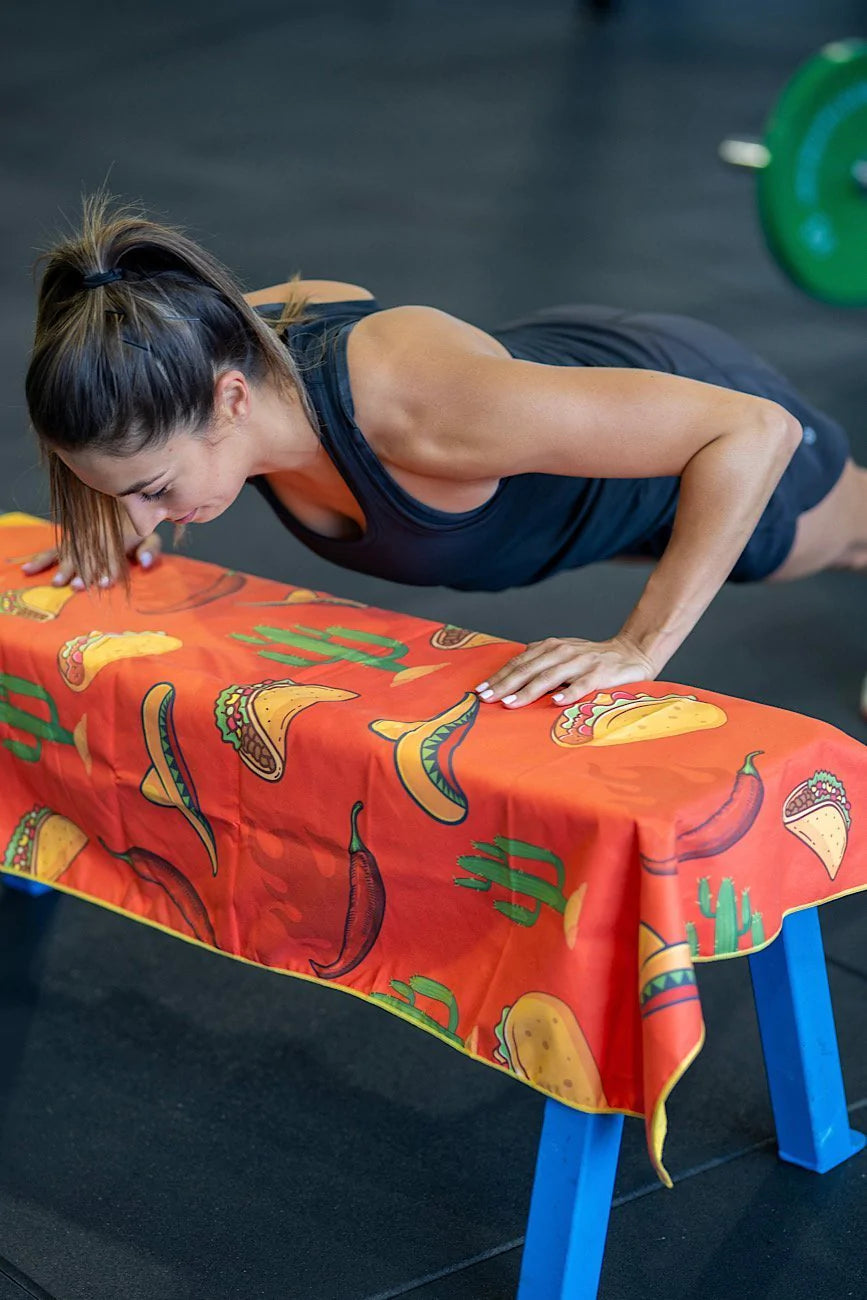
(781, 426)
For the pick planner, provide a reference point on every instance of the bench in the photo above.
(533, 888)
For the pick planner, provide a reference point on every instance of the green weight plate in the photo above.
(813, 212)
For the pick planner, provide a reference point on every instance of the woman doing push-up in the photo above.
(409, 444)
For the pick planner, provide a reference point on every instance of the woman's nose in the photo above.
(145, 516)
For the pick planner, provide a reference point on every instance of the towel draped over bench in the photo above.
(309, 784)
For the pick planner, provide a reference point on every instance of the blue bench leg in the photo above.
(24, 884)
(796, 1022)
(570, 1204)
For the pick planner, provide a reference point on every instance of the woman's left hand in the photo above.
(569, 666)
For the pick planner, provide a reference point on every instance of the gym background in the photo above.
(176, 1126)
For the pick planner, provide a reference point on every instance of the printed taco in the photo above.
(44, 844)
(82, 657)
(451, 637)
(621, 717)
(542, 1042)
(40, 603)
(254, 719)
(818, 812)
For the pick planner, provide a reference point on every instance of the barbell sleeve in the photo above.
(745, 153)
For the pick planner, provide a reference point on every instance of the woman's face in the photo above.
(189, 479)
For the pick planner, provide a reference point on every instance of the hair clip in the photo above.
(145, 347)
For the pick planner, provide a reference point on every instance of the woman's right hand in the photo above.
(140, 550)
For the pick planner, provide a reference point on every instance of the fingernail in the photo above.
(486, 695)
(77, 583)
(482, 686)
(104, 581)
(145, 559)
(509, 699)
(558, 698)
(57, 580)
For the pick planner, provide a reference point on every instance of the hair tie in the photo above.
(96, 278)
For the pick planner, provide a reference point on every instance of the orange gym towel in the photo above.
(310, 784)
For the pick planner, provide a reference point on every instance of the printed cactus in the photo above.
(320, 643)
(728, 927)
(692, 938)
(41, 729)
(489, 866)
(421, 986)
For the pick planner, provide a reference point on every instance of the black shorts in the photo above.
(682, 346)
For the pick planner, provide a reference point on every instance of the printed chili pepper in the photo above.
(226, 583)
(157, 871)
(366, 910)
(731, 821)
(728, 824)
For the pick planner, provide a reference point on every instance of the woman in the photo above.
(410, 444)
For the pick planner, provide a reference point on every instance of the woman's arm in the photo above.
(439, 402)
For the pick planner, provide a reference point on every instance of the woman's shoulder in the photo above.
(397, 333)
(404, 364)
(313, 291)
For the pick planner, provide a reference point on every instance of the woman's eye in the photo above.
(153, 496)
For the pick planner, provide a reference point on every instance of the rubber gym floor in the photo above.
(180, 1127)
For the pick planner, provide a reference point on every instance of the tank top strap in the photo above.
(317, 344)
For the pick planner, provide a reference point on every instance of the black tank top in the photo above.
(534, 524)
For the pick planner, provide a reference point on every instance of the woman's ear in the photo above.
(232, 398)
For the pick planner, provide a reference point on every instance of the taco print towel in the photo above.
(309, 783)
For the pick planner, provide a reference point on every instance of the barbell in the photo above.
(812, 174)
